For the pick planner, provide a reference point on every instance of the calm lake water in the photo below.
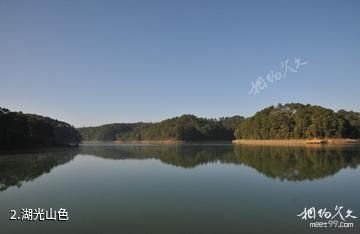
(191, 188)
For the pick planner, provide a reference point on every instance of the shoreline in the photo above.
(297, 142)
(160, 142)
(268, 142)
(148, 142)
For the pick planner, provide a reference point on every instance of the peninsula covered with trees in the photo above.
(289, 121)
(298, 121)
(19, 130)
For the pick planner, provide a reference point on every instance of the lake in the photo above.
(186, 188)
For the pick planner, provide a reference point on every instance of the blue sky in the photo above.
(96, 62)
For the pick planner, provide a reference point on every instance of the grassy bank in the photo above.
(294, 142)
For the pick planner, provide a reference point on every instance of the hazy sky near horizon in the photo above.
(96, 62)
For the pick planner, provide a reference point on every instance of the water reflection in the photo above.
(298, 164)
(292, 164)
(18, 168)
(185, 156)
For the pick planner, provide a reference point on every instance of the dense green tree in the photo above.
(18, 130)
(296, 120)
(353, 119)
(185, 128)
(289, 121)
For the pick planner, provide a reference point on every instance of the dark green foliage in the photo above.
(19, 130)
(112, 132)
(298, 121)
(185, 127)
(289, 121)
(13, 129)
(353, 119)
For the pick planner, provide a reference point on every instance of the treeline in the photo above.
(19, 130)
(184, 128)
(289, 121)
(298, 121)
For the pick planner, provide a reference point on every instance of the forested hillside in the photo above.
(289, 121)
(298, 121)
(185, 127)
(353, 119)
(19, 130)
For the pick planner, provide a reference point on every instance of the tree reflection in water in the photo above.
(284, 163)
(18, 168)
